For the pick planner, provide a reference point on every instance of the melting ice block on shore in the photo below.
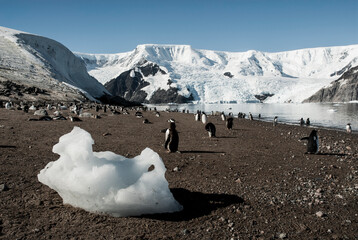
(106, 182)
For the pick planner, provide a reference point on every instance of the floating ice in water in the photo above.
(107, 182)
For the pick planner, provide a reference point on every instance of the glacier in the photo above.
(218, 76)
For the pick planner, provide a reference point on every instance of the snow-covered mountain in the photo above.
(344, 89)
(215, 76)
(31, 60)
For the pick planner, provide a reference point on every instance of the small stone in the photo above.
(282, 235)
(176, 169)
(320, 214)
(231, 224)
(238, 180)
(3, 187)
(106, 134)
(185, 231)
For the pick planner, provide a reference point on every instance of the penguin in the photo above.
(259, 115)
(229, 123)
(210, 127)
(26, 108)
(75, 119)
(171, 120)
(223, 117)
(197, 116)
(146, 121)
(302, 122)
(8, 105)
(313, 142)
(250, 116)
(157, 114)
(349, 128)
(275, 121)
(171, 138)
(138, 114)
(204, 118)
(308, 122)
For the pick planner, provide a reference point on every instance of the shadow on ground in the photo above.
(196, 204)
(197, 151)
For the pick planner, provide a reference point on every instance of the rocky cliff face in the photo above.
(344, 89)
(130, 84)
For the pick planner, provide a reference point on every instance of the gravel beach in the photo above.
(253, 182)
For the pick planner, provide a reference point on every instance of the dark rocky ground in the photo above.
(254, 182)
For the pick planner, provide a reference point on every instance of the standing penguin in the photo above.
(171, 138)
(275, 121)
(349, 128)
(210, 127)
(197, 116)
(229, 123)
(223, 117)
(308, 122)
(204, 118)
(250, 116)
(313, 142)
(302, 122)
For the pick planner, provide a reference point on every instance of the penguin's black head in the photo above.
(314, 132)
(172, 126)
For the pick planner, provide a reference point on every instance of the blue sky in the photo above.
(227, 25)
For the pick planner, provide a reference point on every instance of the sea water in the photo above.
(327, 115)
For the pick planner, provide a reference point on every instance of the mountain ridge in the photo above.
(32, 60)
(218, 76)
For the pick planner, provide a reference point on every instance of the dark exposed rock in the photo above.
(169, 96)
(228, 74)
(129, 84)
(8, 88)
(117, 100)
(344, 89)
(262, 97)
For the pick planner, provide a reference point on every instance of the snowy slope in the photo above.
(38, 61)
(291, 76)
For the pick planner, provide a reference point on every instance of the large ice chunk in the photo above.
(107, 182)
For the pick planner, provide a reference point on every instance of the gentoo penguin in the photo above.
(313, 142)
(204, 118)
(139, 114)
(197, 116)
(8, 105)
(223, 117)
(259, 115)
(171, 120)
(349, 128)
(308, 122)
(302, 122)
(250, 116)
(229, 123)
(157, 114)
(75, 119)
(171, 138)
(146, 121)
(211, 129)
(275, 121)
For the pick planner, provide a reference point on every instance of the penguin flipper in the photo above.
(305, 138)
